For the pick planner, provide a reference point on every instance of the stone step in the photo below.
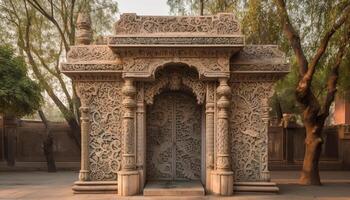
(174, 188)
(256, 187)
(95, 187)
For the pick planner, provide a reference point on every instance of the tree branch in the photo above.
(333, 78)
(325, 40)
(36, 5)
(292, 36)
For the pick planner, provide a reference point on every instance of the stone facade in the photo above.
(174, 98)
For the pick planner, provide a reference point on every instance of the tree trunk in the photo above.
(313, 146)
(279, 110)
(201, 7)
(75, 128)
(48, 144)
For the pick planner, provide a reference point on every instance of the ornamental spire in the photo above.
(84, 31)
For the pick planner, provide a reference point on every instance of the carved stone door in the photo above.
(174, 138)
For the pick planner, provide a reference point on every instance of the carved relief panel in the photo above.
(105, 128)
(174, 138)
(247, 129)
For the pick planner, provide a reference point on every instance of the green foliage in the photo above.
(285, 93)
(19, 95)
(52, 30)
(260, 25)
(193, 7)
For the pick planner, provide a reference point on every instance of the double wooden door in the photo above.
(173, 149)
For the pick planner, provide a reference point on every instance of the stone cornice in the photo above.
(259, 54)
(175, 41)
(259, 59)
(261, 76)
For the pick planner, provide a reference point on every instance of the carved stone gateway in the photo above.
(173, 98)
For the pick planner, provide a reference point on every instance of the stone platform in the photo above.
(57, 186)
(174, 188)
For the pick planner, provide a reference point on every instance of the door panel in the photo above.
(174, 138)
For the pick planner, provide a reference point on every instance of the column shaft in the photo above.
(222, 177)
(129, 176)
(129, 104)
(84, 170)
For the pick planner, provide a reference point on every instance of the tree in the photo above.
(201, 7)
(19, 95)
(48, 144)
(314, 111)
(44, 32)
(322, 25)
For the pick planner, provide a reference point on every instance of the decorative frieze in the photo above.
(223, 23)
(83, 53)
(175, 81)
(91, 67)
(139, 41)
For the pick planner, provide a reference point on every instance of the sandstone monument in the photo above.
(173, 101)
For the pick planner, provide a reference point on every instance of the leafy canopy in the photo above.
(19, 95)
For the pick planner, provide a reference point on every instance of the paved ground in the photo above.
(57, 186)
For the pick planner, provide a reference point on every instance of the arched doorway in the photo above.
(174, 137)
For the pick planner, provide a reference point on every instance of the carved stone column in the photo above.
(128, 177)
(265, 173)
(209, 133)
(85, 124)
(222, 177)
(85, 91)
(141, 133)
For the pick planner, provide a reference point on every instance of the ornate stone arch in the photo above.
(173, 78)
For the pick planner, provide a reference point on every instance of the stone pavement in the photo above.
(57, 186)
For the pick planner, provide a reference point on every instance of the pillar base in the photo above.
(128, 183)
(83, 175)
(222, 182)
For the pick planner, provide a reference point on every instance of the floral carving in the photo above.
(248, 130)
(91, 67)
(175, 41)
(187, 79)
(151, 64)
(91, 53)
(218, 24)
(105, 128)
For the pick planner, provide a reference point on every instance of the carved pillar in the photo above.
(141, 133)
(209, 133)
(265, 173)
(85, 91)
(128, 177)
(222, 177)
(85, 124)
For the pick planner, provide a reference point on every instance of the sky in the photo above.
(144, 7)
